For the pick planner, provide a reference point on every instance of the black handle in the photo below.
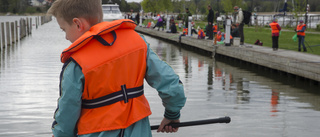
(198, 122)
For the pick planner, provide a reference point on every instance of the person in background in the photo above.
(193, 30)
(159, 22)
(301, 28)
(219, 36)
(275, 30)
(102, 78)
(210, 23)
(239, 22)
(215, 29)
(138, 18)
(234, 31)
(173, 28)
(201, 34)
(186, 17)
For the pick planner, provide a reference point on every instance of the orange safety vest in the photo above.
(114, 69)
(274, 28)
(201, 33)
(149, 25)
(185, 31)
(299, 27)
(219, 37)
(215, 28)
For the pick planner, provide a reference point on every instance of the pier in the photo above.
(292, 63)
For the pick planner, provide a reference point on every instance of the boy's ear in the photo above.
(78, 23)
(82, 24)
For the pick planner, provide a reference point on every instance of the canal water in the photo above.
(260, 102)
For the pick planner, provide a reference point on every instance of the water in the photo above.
(259, 102)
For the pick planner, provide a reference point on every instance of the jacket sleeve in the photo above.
(69, 102)
(162, 77)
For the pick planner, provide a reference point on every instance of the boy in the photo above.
(101, 82)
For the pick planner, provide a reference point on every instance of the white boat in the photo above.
(111, 12)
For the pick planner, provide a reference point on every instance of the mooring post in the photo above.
(12, 32)
(8, 33)
(3, 38)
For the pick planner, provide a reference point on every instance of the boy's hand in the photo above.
(168, 129)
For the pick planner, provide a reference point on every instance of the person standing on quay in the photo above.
(239, 22)
(275, 30)
(186, 17)
(301, 28)
(210, 23)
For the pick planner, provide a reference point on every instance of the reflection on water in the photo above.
(259, 102)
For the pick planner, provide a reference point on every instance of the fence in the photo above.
(286, 21)
(11, 32)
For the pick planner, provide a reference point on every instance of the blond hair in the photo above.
(91, 10)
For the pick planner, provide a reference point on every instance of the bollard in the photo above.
(30, 26)
(8, 33)
(16, 27)
(12, 33)
(227, 34)
(168, 23)
(189, 25)
(3, 38)
(27, 25)
(37, 19)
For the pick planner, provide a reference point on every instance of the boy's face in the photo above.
(72, 31)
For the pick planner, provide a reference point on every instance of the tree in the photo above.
(229, 4)
(157, 5)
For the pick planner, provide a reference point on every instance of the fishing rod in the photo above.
(198, 122)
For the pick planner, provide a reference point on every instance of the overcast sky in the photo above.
(133, 0)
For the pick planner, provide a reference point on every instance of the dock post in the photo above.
(16, 27)
(3, 38)
(8, 33)
(12, 33)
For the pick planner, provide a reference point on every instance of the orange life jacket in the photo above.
(215, 28)
(114, 68)
(149, 25)
(300, 27)
(218, 37)
(185, 31)
(274, 28)
(201, 33)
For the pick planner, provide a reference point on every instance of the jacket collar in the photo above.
(99, 29)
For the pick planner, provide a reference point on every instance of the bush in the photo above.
(318, 27)
(31, 10)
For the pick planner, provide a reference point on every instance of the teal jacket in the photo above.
(159, 75)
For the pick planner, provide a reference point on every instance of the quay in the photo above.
(292, 63)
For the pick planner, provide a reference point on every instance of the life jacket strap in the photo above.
(123, 95)
(104, 42)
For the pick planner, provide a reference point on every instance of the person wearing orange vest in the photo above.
(275, 30)
(215, 29)
(301, 28)
(219, 36)
(101, 82)
(201, 34)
